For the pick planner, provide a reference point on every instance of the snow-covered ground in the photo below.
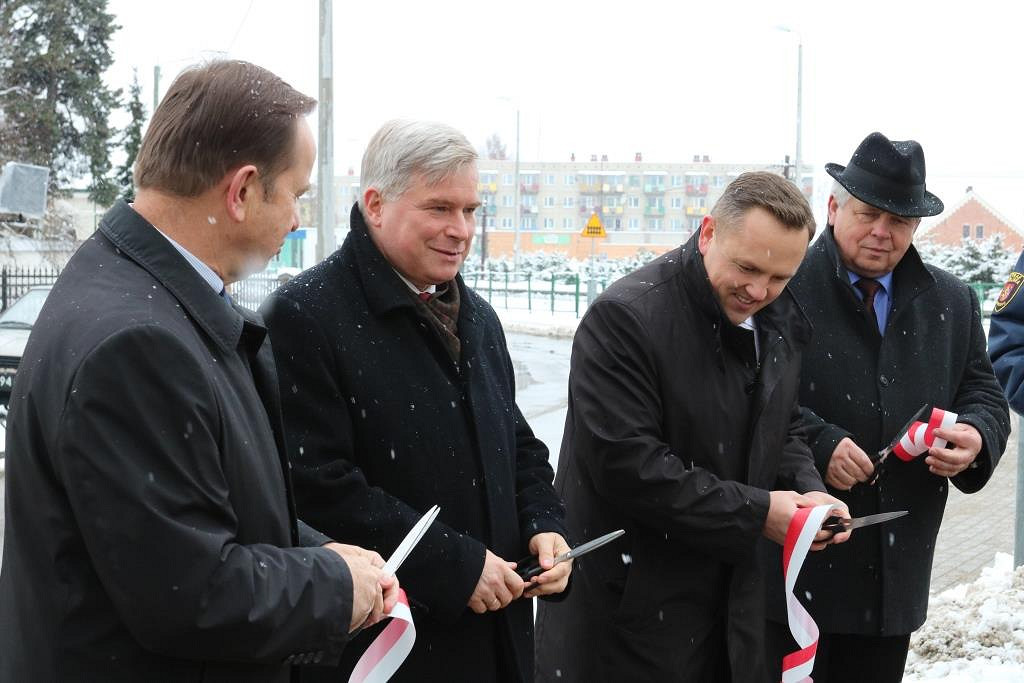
(974, 632)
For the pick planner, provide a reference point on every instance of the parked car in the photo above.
(15, 326)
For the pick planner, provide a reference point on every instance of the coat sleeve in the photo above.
(797, 466)
(822, 437)
(618, 441)
(138, 452)
(331, 491)
(1006, 339)
(980, 403)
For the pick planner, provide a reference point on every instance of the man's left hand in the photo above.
(555, 578)
(962, 449)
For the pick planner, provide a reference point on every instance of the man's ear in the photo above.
(373, 207)
(242, 185)
(707, 232)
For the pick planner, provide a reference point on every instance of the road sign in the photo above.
(593, 228)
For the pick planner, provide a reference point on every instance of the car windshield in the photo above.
(23, 313)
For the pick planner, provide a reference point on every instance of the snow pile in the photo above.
(974, 632)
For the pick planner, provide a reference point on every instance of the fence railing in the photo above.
(547, 292)
(16, 281)
(550, 292)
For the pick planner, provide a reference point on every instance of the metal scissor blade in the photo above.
(839, 524)
(410, 541)
(585, 548)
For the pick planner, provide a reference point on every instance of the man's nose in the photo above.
(757, 290)
(461, 226)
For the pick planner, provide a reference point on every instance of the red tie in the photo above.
(424, 296)
(869, 287)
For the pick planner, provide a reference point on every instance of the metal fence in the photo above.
(16, 281)
(542, 292)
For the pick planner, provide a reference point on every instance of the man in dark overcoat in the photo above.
(150, 532)
(683, 429)
(890, 333)
(1006, 338)
(399, 394)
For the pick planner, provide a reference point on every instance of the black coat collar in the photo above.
(140, 241)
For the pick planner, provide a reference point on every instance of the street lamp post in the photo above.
(797, 171)
(483, 234)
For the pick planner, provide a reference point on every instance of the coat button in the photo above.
(884, 380)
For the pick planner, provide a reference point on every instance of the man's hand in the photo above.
(824, 538)
(784, 504)
(373, 593)
(555, 578)
(498, 585)
(962, 449)
(848, 465)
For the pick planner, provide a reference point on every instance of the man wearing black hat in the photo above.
(890, 333)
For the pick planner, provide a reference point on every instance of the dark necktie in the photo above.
(424, 296)
(869, 288)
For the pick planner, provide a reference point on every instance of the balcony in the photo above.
(696, 211)
(654, 211)
(529, 188)
(696, 189)
(590, 188)
(528, 209)
(611, 211)
(654, 188)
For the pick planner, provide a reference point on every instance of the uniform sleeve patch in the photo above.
(1009, 291)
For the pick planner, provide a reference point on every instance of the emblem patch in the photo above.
(1009, 291)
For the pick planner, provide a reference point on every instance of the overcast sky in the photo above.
(668, 79)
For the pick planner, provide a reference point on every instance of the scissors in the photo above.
(410, 541)
(879, 460)
(838, 525)
(529, 567)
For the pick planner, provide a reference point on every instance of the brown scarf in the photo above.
(442, 313)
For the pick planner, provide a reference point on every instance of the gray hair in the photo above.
(403, 149)
(841, 194)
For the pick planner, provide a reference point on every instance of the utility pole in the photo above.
(519, 209)
(325, 242)
(156, 87)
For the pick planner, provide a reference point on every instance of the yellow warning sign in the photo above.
(593, 227)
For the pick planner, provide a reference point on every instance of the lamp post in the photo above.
(799, 102)
(483, 233)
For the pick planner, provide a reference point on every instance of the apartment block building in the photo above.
(643, 206)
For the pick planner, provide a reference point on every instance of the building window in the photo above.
(677, 181)
(634, 202)
(611, 202)
(549, 223)
(506, 222)
(569, 202)
(529, 223)
(549, 202)
(489, 221)
(570, 180)
(720, 180)
(508, 200)
(635, 181)
(654, 224)
(549, 179)
(529, 200)
(677, 202)
(676, 224)
(488, 178)
(967, 230)
(507, 179)
(568, 223)
(979, 231)
(634, 223)
(694, 224)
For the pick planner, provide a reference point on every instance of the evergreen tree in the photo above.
(131, 140)
(54, 104)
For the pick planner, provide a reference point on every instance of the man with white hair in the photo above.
(890, 333)
(398, 394)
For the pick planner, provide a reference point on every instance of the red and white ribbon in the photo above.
(389, 649)
(797, 666)
(920, 437)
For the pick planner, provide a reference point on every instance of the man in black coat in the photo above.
(399, 394)
(1006, 338)
(890, 333)
(683, 429)
(150, 531)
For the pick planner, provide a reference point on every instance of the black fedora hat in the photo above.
(889, 175)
